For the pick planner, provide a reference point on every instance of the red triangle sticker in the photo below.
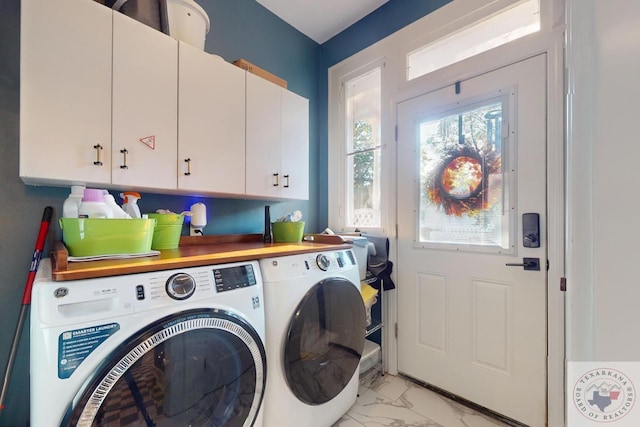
(149, 141)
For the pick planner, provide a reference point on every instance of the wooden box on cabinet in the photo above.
(254, 69)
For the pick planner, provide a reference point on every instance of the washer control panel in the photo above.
(163, 286)
(195, 283)
(180, 286)
(236, 277)
(70, 302)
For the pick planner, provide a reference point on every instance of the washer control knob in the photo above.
(180, 286)
(323, 262)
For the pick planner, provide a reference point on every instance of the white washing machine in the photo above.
(315, 337)
(168, 348)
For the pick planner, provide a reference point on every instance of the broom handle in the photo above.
(26, 300)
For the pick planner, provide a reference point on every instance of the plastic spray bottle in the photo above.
(130, 205)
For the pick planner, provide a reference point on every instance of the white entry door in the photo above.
(472, 174)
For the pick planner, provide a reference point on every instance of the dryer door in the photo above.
(201, 367)
(324, 341)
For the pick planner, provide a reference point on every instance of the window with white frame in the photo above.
(362, 118)
(361, 192)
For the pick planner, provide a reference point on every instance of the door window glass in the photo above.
(205, 368)
(325, 341)
(463, 187)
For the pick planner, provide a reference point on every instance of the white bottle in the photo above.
(93, 205)
(72, 203)
(116, 210)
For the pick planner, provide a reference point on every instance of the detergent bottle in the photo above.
(72, 203)
(130, 205)
(93, 205)
(117, 211)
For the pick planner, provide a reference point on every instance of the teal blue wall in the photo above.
(240, 29)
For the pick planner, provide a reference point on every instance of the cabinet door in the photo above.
(295, 146)
(264, 132)
(145, 103)
(65, 92)
(211, 118)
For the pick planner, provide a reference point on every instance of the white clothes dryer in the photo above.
(167, 348)
(315, 337)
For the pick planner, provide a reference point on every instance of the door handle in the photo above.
(528, 264)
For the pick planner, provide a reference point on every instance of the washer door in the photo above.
(324, 341)
(201, 367)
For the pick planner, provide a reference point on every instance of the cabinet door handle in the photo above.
(277, 176)
(287, 182)
(124, 152)
(98, 161)
(188, 162)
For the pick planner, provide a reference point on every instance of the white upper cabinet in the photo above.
(264, 118)
(65, 92)
(211, 123)
(145, 102)
(108, 101)
(295, 146)
(277, 158)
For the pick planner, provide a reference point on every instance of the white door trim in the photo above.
(553, 46)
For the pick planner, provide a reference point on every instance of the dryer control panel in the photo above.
(310, 265)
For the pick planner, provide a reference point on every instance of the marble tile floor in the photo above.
(397, 402)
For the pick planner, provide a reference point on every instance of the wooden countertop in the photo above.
(192, 252)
